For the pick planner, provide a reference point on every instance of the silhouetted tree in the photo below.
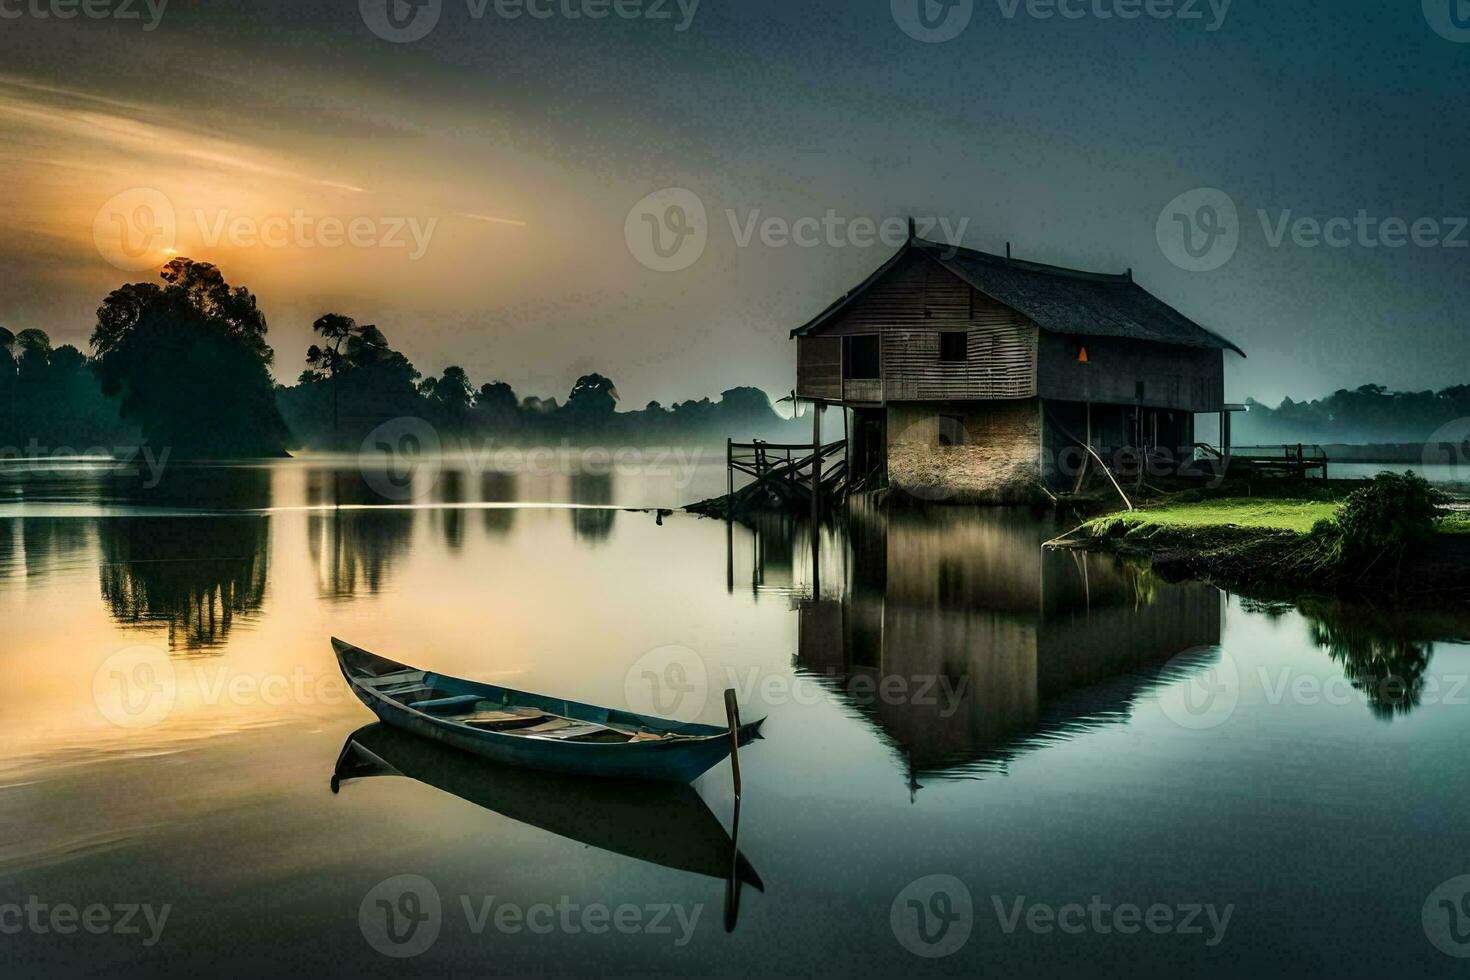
(591, 397)
(327, 362)
(189, 360)
(1368, 413)
(497, 397)
(352, 384)
(453, 391)
(7, 380)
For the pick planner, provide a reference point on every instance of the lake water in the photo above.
(979, 757)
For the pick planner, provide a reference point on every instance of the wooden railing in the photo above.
(783, 471)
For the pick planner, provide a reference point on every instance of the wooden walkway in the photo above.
(1299, 460)
(779, 478)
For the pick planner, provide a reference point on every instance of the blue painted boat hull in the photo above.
(698, 748)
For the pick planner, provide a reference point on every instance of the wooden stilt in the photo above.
(816, 464)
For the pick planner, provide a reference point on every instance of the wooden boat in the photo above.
(610, 814)
(531, 730)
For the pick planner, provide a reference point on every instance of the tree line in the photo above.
(184, 363)
(1366, 414)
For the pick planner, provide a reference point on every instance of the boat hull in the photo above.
(699, 748)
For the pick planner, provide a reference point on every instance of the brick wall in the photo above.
(992, 457)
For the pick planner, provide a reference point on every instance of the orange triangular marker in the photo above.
(1082, 355)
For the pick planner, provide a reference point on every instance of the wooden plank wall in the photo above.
(819, 367)
(1185, 378)
(918, 300)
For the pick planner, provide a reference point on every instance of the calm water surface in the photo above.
(944, 699)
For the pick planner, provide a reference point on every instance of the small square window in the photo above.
(861, 360)
(954, 346)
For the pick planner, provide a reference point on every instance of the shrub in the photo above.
(1392, 511)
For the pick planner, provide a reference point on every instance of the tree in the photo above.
(190, 363)
(593, 395)
(34, 350)
(497, 397)
(452, 391)
(7, 380)
(326, 362)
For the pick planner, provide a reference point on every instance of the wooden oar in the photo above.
(732, 714)
(732, 883)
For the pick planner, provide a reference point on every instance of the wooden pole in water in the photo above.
(816, 464)
(732, 715)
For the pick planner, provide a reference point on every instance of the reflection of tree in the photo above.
(7, 542)
(1383, 654)
(191, 574)
(451, 518)
(45, 543)
(352, 550)
(592, 488)
(498, 488)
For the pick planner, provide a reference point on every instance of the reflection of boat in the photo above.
(532, 730)
(664, 824)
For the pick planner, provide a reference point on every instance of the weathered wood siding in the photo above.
(1187, 378)
(1001, 363)
(819, 367)
(917, 301)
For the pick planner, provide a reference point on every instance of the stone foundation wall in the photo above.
(967, 452)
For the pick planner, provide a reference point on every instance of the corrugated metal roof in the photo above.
(1067, 301)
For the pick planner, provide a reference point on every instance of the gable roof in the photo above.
(1065, 301)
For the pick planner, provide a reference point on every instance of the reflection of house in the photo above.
(974, 376)
(1035, 642)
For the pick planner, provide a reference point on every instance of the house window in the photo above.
(860, 357)
(953, 346)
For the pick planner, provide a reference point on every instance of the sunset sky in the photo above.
(506, 155)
